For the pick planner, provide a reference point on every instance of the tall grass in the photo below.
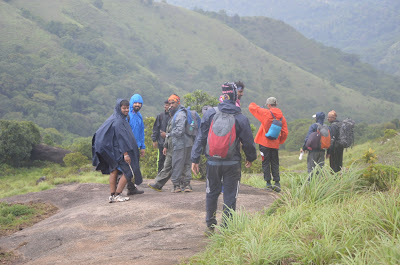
(332, 219)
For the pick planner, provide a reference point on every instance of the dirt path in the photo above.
(152, 228)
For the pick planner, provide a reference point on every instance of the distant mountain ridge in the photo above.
(63, 64)
(368, 28)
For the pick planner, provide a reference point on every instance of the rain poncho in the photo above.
(111, 141)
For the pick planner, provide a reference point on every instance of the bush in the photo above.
(75, 160)
(17, 139)
(380, 177)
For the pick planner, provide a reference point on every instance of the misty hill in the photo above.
(63, 64)
(368, 28)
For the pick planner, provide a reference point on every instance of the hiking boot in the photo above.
(187, 188)
(209, 231)
(268, 186)
(277, 187)
(154, 187)
(120, 198)
(134, 191)
(176, 189)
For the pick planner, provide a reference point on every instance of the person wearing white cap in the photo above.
(315, 156)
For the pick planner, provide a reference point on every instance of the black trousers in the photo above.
(270, 164)
(230, 172)
(336, 158)
(161, 158)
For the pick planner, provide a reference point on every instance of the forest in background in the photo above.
(64, 63)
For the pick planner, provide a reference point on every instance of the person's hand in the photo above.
(127, 159)
(195, 168)
(142, 152)
(163, 134)
(248, 164)
(155, 144)
(164, 151)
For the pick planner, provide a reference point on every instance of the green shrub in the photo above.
(17, 139)
(380, 177)
(390, 133)
(82, 145)
(75, 160)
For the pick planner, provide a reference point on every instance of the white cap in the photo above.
(314, 116)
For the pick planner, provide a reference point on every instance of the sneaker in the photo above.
(277, 187)
(187, 188)
(176, 189)
(120, 198)
(111, 198)
(153, 186)
(269, 186)
(134, 191)
(209, 231)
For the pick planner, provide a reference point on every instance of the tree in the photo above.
(17, 140)
(198, 99)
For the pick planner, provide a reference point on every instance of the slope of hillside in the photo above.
(367, 28)
(63, 64)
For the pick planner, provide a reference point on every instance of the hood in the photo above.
(320, 117)
(117, 110)
(277, 113)
(228, 106)
(135, 98)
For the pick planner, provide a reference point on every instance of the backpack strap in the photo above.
(273, 116)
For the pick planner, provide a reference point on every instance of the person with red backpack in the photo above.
(269, 145)
(222, 129)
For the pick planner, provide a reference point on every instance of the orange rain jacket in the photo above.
(265, 117)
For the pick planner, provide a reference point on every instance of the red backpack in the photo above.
(221, 140)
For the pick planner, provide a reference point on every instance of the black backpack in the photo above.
(346, 133)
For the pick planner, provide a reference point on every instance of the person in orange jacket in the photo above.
(268, 147)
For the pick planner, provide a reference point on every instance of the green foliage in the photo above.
(198, 99)
(51, 136)
(16, 141)
(381, 177)
(369, 156)
(148, 164)
(297, 132)
(390, 133)
(82, 145)
(75, 160)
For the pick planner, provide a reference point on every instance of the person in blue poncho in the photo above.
(136, 122)
(114, 150)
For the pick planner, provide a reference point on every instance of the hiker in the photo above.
(316, 156)
(137, 125)
(335, 151)
(114, 150)
(181, 146)
(165, 174)
(158, 136)
(240, 92)
(269, 147)
(223, 153)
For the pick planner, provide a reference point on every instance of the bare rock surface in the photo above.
(151, 228)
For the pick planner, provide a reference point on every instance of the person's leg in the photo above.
(231, 175)
(274, 155)
(113, 181)
(161, 158)
(121, 184)
(266, 164)
(178, 163)
(165, 174)
(310, 161)
(187, 171)
(213, 189)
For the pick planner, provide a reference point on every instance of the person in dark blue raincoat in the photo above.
(114, 150)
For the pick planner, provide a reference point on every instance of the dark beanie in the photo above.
(229, 91)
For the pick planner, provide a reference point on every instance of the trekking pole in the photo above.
(133, 175)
